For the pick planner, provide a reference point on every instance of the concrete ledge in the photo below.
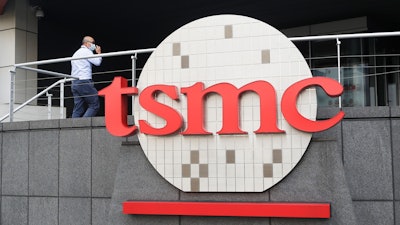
(58, 123)
(326, 112)
(88, 122)
(76, 122)
(44, 124)
(98, 121)
(16, 126)
(359, 112)
(395, 111)
(367, 112)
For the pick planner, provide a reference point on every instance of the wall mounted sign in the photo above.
(225, 104)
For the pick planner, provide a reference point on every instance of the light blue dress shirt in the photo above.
(82, 68)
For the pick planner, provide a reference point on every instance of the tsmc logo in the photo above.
(224, 104)
(196, 95)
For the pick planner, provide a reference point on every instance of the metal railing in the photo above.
(134, 54)
(26, 66)
(338, 44)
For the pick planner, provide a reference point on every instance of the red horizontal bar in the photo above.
(239, 209)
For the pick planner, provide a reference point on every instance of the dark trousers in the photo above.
(86, 100)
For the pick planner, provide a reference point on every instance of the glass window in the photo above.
(370, 70)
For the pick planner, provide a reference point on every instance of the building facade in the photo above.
(74, 171)
(47, 179)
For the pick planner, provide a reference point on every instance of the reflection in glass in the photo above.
(370, 70)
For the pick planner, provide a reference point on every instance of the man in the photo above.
(86, 101)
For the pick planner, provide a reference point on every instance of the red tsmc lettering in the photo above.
(147, 101)
(116, 107)
(230, 107)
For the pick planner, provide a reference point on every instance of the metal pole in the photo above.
(62, 99)
(57, 74)
(12, 93)
(338, 61)
(48, 105)
(133, 58)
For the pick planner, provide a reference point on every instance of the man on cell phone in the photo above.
(86, 101)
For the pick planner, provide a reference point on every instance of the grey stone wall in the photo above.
(74, 172)
(57, 171)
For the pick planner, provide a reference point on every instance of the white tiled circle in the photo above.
(236, 50)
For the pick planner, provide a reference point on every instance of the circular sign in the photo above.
(237, 50)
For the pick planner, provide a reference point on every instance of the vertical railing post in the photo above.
(49, 105)
(62, 99)
(12, 94)
(133, 58)
(338, 66)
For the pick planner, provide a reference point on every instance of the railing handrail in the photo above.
(36, 96)
(66, 59)
(57, 74)
(345, 36)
